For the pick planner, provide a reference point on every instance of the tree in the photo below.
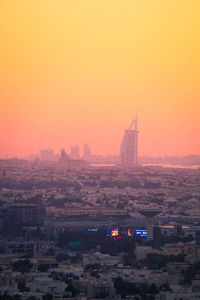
(165, 287)
(16, 297)
(50, 252)
(76, 259)
(129, 259)
(62, 257)
(47, 296)
(22, 286)
(23, 266)
(92, 267)
(102, 295)
(31, 298)
(152, 289)
(191, 273)
(43, 268)
(71, 288)
(125, 288)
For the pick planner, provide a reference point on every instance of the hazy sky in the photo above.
(75, 71)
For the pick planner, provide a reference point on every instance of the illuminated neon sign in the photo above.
(140, 232)
(114, 232)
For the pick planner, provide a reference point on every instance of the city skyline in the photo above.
(78, 71)
(99, 150)
(52, 142)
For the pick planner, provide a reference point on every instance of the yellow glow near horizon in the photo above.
(78, 70)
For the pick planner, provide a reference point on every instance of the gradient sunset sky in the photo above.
(75, 71)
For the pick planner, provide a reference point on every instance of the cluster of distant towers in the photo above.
(74, 152)
(128, 150)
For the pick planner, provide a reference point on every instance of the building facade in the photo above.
(129, 146)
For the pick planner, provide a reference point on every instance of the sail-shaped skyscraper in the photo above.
(129, 145)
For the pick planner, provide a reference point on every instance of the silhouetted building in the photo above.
(47, 154)
(156, 234)
(86, 152)
(129, 146)
(64, 155)
(19, 247)
(74, 153)
(66, 160)
(23, 215)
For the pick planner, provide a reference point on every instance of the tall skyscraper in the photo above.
(86, 152)
(47, 154)
(74, 153)
(64, 156)
(129, 146)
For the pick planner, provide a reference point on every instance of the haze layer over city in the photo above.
(78, 70)
(100, 150)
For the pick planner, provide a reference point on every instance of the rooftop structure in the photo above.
(149, 214)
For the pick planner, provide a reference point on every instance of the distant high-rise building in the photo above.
(46, 154)
(74, 153)
(86, 152)
(129, 146)
(64, 156)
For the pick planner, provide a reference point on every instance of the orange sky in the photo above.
(74, 72)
